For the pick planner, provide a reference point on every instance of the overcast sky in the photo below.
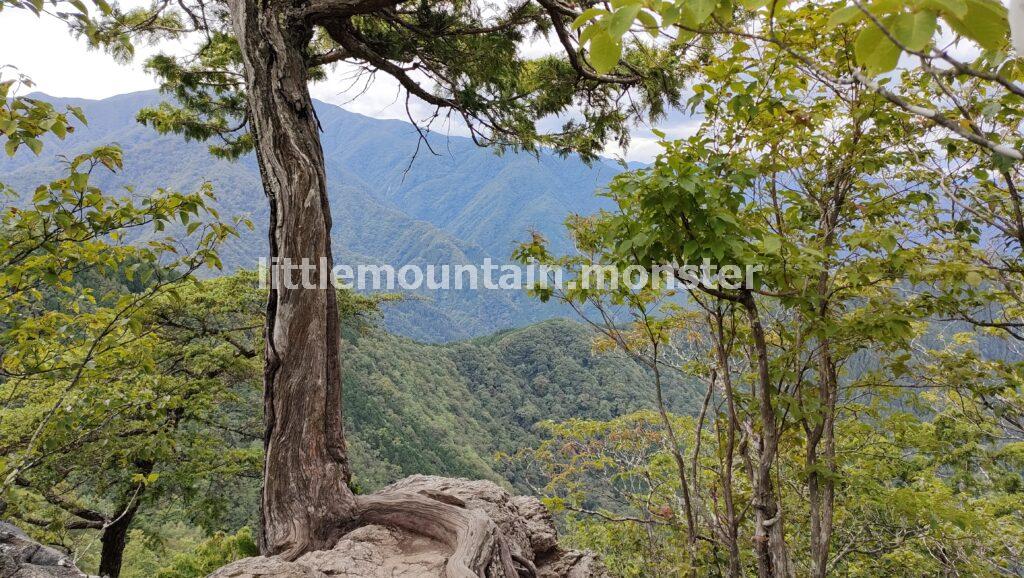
(66, 68)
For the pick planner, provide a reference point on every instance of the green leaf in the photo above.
(955, 8)
(648, 21)
(695, 12)
(880, 7)
(914, 31)
(622, 19)
(985, 23)
(670, 12)
(35, 144)
(77, 112)
(844, 15)
(589, 32)
(588, 15)
(874, 51)
(59, 129)
(11, 146)
(605, 52)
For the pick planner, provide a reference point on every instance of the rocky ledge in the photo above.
(378, 551)
(21, 557)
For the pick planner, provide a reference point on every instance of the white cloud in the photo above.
(63, 66)
(60, 64)
(643, 146)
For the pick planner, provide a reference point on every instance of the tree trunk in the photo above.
(113, 542)
(821, 488)
(731, 519)
(769, 532)
(306, 502)
(115, 532)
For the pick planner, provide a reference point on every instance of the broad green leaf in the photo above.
(985, 23)
(845, 15)
(588, 15)
(604, 51)
(622, 19)
(589, 33)
(724, 11)
(881, 7)
(956, 8)
(59, 129)
(77, 112)
(670, 12)
(914, 31)
(874, 51)
(695, 12)
(648, 21)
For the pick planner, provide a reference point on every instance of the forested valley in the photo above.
(836, 390)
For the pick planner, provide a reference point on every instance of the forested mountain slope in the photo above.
(446, 409)
(391, 205)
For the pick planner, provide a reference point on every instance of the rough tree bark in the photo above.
(306, 503)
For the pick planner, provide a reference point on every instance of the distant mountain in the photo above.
(389, 206)
(447, 409)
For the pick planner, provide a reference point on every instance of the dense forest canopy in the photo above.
(854, 408)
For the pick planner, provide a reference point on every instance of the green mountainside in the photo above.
(447, 409)
(391, 204)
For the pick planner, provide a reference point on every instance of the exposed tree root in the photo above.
(479, 548)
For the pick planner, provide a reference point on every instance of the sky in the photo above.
(66, 68)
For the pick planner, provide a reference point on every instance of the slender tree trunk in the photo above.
(732, 520)
(821, 434)
(677, 455)
(306, 502)
(821, 444)
(769, 533)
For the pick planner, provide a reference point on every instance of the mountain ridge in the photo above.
(389, 205)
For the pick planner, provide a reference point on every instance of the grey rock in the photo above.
(261, 567)
(23, 557)
(540, 526)
(572, 564)
(380, 552)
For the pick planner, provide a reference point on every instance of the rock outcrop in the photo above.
(22, 557)
(378, 551)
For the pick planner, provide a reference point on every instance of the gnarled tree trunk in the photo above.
(306, 503)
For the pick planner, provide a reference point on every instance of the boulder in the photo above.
(23, 557)
(379, 551)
